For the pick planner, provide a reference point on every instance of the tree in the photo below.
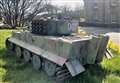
(66, 10)
(16, 12)
(74, 13)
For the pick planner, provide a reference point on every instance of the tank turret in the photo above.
(52, 26)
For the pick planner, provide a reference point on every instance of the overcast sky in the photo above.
(71, 3)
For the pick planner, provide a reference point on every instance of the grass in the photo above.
(13, 71)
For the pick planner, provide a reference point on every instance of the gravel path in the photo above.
(100, 30)
(114, 33)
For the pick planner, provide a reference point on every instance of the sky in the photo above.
(71, 3)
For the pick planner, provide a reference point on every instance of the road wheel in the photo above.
(50, 68)
(18, 51)
(26, 55)
(36, 62)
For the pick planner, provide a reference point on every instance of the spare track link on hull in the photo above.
(61, 72)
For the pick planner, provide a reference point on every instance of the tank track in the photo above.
(61, 72)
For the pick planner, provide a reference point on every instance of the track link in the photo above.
(62, 73)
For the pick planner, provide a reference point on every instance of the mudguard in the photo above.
(43, 53)
(74, 67)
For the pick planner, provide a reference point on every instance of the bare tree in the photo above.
(16, 12)
(66, 10)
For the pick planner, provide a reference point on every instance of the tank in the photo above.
(50, 46)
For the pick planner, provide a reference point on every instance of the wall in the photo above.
(102, 11)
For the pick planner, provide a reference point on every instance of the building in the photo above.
(102, 12)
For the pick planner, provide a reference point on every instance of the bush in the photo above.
(114, 47)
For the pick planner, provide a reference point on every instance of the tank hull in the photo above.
(69, 53)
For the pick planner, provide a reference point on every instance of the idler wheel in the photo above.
(36, 62)
(50, 68)
(26, 55)
(9, 45)
(18, 51)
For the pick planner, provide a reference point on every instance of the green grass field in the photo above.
(13, 71)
